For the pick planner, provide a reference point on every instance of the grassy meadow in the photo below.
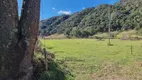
(90, 59)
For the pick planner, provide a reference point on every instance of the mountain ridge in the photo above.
(96, 19)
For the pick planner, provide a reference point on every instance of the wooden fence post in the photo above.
(131, 49)
(45, 57)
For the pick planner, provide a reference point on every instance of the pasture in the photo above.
(90, 59)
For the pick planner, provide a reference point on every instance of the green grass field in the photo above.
(90, 59)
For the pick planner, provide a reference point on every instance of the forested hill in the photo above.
(125, 15)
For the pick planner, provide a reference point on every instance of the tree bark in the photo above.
(8, 39)
(18, 38)
(28, 27)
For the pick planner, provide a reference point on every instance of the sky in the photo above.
(50, 8)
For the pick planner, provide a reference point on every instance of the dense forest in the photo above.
(124, 15)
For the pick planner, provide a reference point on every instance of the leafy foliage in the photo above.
(56, 70)
(56, 73)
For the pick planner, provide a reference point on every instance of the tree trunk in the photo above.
(8, 39)
(18, 38)
(28, 26)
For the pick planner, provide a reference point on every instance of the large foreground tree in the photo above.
(18, 38)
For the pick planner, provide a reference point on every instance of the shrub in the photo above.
(56, 72)
(139, 32)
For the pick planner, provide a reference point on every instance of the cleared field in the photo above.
(90, 59)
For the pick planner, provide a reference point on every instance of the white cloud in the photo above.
(64, 12)
(83, 7)
(53, 8)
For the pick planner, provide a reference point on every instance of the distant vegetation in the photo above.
(125, 16)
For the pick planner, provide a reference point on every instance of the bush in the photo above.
(114, 34)
(139, 32)
(126, 34)
(105, 35)
(55, 72)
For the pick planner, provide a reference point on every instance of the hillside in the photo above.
(125, 15)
